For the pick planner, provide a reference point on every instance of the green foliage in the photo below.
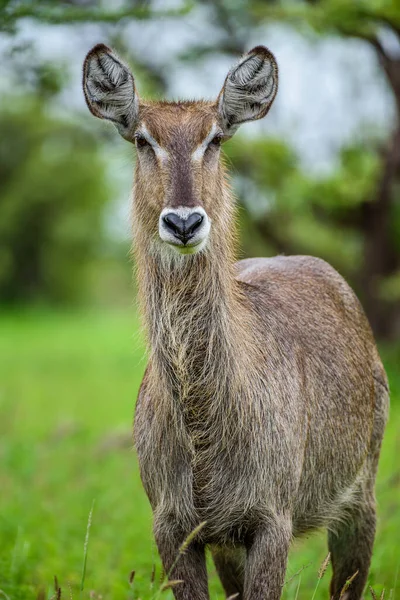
(361, 18)
(56, 11)
(52, 193)
(284, 208)
(268, 162)
(298, 212)
(68, 383)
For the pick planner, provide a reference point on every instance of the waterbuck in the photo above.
(264, 402)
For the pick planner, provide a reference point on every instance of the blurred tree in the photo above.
(351, 218)
(292, 212)
(53, 180)
(376, 215)
(52, 194)
(368, 206)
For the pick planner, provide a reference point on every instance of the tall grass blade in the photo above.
(185, 545)
(85, 549)
(70, 590)
(321, 573)
(170, 584)
(298, 589)
(324, 566)
(182, 549)
(190, 538)
(348, 584)
(297, 573)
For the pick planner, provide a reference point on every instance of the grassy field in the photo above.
(68, 384)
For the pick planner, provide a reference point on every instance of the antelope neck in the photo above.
(193, 320)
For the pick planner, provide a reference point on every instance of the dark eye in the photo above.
(141, 141)
(216, 141)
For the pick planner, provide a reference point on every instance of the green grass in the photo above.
(68, 384)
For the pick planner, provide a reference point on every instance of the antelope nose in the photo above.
(183, 229)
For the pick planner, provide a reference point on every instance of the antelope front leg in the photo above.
(189, 567)
(266, 562)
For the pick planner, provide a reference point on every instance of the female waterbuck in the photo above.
(264, 403)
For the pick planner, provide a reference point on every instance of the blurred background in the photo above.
(320, 175)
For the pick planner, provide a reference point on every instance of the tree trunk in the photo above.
(380, 254)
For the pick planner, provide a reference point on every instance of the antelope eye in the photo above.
(216, 141)
(141, 141)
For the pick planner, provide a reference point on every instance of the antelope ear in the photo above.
(249, 89)
(109, 89)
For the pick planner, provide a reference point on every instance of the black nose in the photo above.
(183, 229)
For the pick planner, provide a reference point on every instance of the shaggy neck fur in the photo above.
(202, 347)
(206, 380)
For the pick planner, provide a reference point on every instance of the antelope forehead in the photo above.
(179, 144)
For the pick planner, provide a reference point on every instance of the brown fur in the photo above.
(264, 403)
(263, 406)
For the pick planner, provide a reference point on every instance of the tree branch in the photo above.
(75, 14)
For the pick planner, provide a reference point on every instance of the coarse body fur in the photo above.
(264, 403)
(263, 407)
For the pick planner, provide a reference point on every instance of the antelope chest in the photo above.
(224, 492)
(236, 478)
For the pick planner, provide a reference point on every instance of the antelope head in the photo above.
(179, 184)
